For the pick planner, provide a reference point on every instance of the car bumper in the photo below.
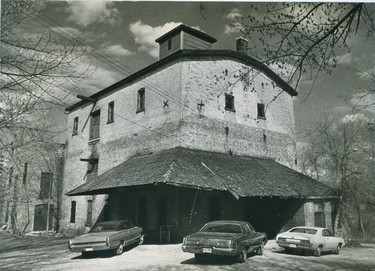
(88, 247)
(210, 250)
(302, 246)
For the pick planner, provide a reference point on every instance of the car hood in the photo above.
(213, 235)
(296, 235)
(93, 237)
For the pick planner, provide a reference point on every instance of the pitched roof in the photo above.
(191, 54)
(240, 175)
(186, 29)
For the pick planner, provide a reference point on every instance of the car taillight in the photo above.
(70, 244)
(107, 242)
(305, 241)
(184, 241)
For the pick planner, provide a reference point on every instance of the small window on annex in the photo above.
(89, 213)
(141, 100)
(261, 111)
(111, 112)
(229, 102)
(73, 206)
(75, 126)
(94, 125)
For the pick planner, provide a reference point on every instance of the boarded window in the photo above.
(319, 219)
(111, 112)
(229, 102)
(24, 177)
(73, 206)
(89, 213)
(261, 111)
(45, 185)
(75, 126)
(141, 100)
(92, 169)
(94, 125)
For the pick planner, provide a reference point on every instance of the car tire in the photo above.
(338, 248)
(199, 258)
(120, 249)
(260, 249)
(318, 251)
(243, 256)
(141, 239)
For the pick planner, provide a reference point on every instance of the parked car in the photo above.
(313, 239)
(108, 235)
(226, 238)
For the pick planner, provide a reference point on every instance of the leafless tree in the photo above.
(340, 154)
(35, 61)
(304, 38)
(34, 64)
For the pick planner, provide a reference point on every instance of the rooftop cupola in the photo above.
(183, 37)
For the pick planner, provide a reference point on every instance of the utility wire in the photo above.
(99, 54)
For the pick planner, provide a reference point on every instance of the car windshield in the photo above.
(105, 227)
(224, 228)
(304, 230)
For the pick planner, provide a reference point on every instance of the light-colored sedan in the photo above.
(314, 239)
(108, 235)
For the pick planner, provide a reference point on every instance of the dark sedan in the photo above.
(227, 238)
(109, 235)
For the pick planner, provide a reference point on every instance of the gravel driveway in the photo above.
(23, 254)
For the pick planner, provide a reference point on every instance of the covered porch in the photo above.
(174, 192)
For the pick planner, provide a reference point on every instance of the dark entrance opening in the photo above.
(142, 213)
(272, 215)
(214, 209)
(40, 217)
(162, 211)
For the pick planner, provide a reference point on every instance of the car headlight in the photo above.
(107, 242)
(184, 241)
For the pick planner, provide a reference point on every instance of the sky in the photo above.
(125, 32)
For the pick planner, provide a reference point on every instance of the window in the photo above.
(75, 126)
(326, 232)
(141, 100)
(73, 206)
(24, 177)
(10, 176)
(92, 169)
(111, 107)
(229, 102)
(169, 44)
(89, 213)
(94, 125)
(45, 185)
(261, 112)
(319, 219)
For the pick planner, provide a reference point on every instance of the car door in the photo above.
(329, 240)
(124, 231)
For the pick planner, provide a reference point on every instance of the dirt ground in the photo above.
(42, 254)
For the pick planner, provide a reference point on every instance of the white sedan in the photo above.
(314, 239)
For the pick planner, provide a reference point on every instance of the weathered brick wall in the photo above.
(23, 194)
(181, 86)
